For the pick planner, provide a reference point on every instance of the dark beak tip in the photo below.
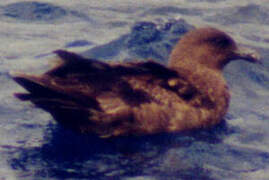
(255, 58)
(249, 55)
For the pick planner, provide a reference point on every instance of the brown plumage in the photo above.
(139, 98)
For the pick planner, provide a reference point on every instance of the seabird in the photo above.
(140, 98)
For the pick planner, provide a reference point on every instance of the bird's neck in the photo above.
(209, 82)
(216, 64)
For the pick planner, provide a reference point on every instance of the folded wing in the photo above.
(93, 96)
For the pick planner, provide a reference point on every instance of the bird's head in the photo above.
(209, 47)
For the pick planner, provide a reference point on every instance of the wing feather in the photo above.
(93, 96)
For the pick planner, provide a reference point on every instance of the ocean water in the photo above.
(33, 146)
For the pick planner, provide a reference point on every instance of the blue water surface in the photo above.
(33, 146)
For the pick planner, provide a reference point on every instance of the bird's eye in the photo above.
(221, 42)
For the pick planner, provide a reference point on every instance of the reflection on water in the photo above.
(197, 155)
(33, 146)
(70, 155)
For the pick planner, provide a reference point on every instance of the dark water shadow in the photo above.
(146, 40)
(66, 154)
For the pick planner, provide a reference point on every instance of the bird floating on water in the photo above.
(139, 98)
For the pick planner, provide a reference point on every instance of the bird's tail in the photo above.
(34, 87)
(65, 109)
